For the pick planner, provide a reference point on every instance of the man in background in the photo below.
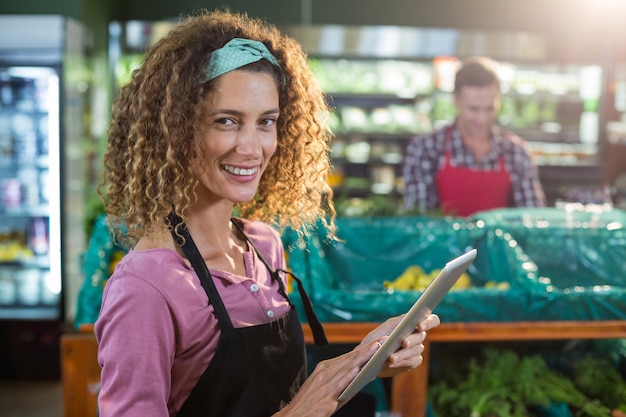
(472, 164)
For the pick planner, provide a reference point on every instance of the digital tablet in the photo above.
(424, 306)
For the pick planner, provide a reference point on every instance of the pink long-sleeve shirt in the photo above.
(157, 331)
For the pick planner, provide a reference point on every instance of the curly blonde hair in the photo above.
(152, 136)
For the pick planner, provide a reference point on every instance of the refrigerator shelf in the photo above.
(36, 263)
(26, 211)
(29, 312)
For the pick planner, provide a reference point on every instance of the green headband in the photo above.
(235, 54)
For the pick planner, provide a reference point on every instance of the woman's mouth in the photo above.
(240, 171)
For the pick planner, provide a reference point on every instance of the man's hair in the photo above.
(477, 72)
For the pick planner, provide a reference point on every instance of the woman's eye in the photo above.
(268, 121)
(227, 121)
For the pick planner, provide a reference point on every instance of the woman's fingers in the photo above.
(334, 375)
(318, 395)
(412, 346)
(430, 322)
(356, 359)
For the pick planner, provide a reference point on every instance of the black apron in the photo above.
(256, 370)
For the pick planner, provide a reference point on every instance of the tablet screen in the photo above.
(424, 306)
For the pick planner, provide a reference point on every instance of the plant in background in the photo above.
(377, 206)
(94, 207)
(598, 378)
(504, 384)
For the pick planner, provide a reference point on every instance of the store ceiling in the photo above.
(415, 43)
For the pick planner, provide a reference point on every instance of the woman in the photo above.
(223, 117)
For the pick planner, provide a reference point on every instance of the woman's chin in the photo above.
(242, 199)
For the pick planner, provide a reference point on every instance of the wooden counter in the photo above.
(409, 390)
(80, 371)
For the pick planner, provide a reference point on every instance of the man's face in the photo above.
(477, 109)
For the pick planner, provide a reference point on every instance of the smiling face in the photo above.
(477, 109)
(238, 136)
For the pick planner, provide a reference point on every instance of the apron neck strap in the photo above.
(319, 336)
(189, 248)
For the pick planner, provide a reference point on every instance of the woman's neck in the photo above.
(217, 239)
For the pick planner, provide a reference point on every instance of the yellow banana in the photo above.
(406, 280)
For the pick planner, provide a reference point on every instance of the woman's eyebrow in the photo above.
(240, 113)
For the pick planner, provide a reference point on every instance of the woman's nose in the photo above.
(249, 143)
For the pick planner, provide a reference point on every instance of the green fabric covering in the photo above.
(579, 255)
(559, 265)
(96, 263)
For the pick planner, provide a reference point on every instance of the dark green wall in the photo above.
(94, 14)
(532, 15)
(71, 8)
(576, 28)
(575, 18)
(536, 15)
(553, 15)
(275, 11)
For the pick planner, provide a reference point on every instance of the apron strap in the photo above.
(447, 144)
(275, 276)
(319, 336)
(190, 250)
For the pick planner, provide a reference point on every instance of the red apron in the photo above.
(464, 191)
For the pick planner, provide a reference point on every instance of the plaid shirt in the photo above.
(425, 154)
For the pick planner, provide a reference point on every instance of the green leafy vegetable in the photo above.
(599, 379)
(504, 384)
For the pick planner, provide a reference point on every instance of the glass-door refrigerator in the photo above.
(36, 128)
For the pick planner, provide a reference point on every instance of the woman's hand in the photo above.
(318, 395)
(409, 356)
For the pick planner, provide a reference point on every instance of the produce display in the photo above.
(414, 278)
(14, 249)
(403, 78)
(504, 383)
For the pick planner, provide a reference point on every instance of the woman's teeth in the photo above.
(240, 171)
